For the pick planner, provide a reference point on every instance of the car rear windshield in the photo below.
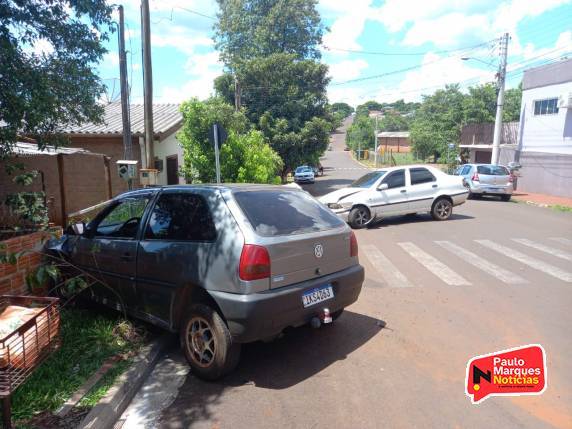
(492, 170)
(283, 212)
(368, 180)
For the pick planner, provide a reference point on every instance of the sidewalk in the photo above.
(541, 199)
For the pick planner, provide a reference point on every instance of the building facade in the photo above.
(545, 130)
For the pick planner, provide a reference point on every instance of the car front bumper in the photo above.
(265, 314)
(303, 179)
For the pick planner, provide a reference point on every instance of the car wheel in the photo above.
(207, 343)
(442, 209)
(505, 197)
(359, 217)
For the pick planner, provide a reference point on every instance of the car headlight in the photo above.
(336, 206)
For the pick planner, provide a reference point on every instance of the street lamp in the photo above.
(476, 59)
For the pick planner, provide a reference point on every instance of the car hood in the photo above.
(340, 194)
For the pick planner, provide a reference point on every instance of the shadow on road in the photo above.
(300, 354)
(418, 218)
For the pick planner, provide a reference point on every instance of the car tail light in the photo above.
(475, 177)
(353, 244)
(254, 263)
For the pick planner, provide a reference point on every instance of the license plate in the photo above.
(317, 295)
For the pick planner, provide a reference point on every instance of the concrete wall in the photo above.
(546, 133)
(395, 144)
(168, 147)
(546, 173)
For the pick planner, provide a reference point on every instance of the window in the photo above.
(492, 170)
(466, 170)
(548, 106)
(123, 219)
(395, 179)
(368, 180)
(421, 175)
(181, 217)
(280, 212)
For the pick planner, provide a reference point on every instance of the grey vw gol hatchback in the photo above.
(223, 265)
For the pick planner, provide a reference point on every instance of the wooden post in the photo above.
(62, 189)
(106, 160)
(7, 413)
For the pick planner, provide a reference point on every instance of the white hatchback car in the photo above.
(397, 191)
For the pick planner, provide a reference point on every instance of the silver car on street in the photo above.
(487, 179)
(397, 191)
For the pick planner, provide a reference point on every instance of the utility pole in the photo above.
(375, 144)
(124, 84)
(500, 100)
(216, 150)
(237, 100)
(147, 83)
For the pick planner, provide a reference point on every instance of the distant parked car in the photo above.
(346, 148)
(304, 174)
(318, 169)
(487, 179)
(397, 191)
(221, 265)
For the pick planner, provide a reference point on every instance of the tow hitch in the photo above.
(323, 317)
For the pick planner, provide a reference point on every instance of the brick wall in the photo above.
(13, 276)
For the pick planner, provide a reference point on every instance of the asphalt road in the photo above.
(397, 358)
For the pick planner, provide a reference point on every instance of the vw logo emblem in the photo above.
(318, 250)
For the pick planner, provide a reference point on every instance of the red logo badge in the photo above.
(512, 372)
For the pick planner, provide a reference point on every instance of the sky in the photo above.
(381, 50)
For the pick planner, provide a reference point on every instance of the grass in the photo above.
(88, 339)
(561, 208)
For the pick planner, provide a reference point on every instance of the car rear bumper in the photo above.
(491, 189)
(262, 315)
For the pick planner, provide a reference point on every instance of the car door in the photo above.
(108, 250)
(422, 189)
(393, 200)
(174, 251)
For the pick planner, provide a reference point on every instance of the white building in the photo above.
(545, 130)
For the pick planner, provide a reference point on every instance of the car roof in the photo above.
(398, 167)
(232, 187)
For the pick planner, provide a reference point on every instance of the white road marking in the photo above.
(527, 260)
(481, 263)
(562, 240)
(392, 276)
(547, 249)
(435, 266)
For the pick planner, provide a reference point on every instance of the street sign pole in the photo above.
(217, 161)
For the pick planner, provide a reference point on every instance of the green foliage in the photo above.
(30, 207)
(224, 87)
(41, 91)
(438, 121)
(512, 104)
(479, 106)
(248, 29)
(244, 157)
(343, 108)
(361, 133)
(42, 276)
(394, 122)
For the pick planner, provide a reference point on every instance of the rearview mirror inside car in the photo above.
(383, 187)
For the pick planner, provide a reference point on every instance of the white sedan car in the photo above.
(397, 191)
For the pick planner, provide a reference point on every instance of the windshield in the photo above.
(303, 169)
(368, 180)
(492, 170)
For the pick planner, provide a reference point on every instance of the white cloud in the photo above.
(446, 30)
(347, 69)
(349, 25)
(180, 37)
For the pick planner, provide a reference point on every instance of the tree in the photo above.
(248, 29)
(361, 133)
(343, 108)
(40, 91)
(512, 104)
(438, 121)
(244, 157)
(479, 106)
(368, 106)
(393, 122)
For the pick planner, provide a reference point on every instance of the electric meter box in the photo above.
(127, 169)
(148, 176)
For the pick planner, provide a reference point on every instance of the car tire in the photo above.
(207, 343)
(359, 217)
(442, 209)
(505, 197)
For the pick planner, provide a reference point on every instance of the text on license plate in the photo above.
(319, 294)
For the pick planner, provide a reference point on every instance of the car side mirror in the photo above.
(78, 228)
(383, 187)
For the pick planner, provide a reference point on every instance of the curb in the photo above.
(360, 163)
(110, 408)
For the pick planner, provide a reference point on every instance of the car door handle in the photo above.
(434, 186)
(403, 191)
(126, 257)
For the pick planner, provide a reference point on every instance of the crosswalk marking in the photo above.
(392, 276)
(547, 249)
(481, 263)
(562, 240)
(527, 260)
(441, 270)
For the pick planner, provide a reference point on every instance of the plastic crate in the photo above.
(22, 350)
